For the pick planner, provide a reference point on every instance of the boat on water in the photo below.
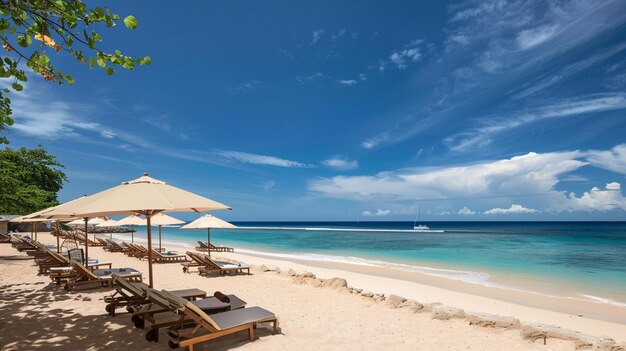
(421, 227)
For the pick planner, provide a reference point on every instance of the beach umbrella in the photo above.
(143, 196)
(108, 223)
(208, 221)
(37, 217)
(162, 219)
(132, 221)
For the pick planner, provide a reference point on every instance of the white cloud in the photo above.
(514, 209)
(594, 200)
(529, 38)
(465, 211)
(341, 163)
(400, 59)
(348, 82)
(245, 87)
(310, 78)
(256, 159)
(37, 113)
(613, 160)
(317, 35)
(494, 125)
(340, 34)
(378, 213)
(525, 174)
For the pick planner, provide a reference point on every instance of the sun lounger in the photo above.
(213, 266)
(208, 327)
(168, 317)
(204, 247)
(167, 257)
(114, 246)
(83, 277)
(5, 238)
(196, 261)
(131, 294)
(135, 250)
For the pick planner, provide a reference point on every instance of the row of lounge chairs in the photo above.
(204, 246)
(207, 265)
(187, 316)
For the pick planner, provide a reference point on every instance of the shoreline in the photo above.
(597, 318)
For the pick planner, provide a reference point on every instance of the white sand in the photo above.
(37, 314)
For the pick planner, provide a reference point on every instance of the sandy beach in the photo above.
(37, 314)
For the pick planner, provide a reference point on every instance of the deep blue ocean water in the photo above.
(581, 258)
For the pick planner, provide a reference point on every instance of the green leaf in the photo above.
(24, 40)
(68, 79)
(92, 62)
(110, 70)
(130, 22)
(101, 60)
(17, 86)
(4, 25)
(147, 60)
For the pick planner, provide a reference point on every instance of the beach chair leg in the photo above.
(251, 332)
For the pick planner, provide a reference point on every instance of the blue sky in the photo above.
(354, 110)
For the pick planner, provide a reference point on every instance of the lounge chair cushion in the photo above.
(234, 318)
(104, 273)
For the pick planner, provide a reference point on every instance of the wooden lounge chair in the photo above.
(62, 270)
(5, 238)
(196, 261)
(99, 278)
(114, 246)
(204, 247)
(136, 250)
(208, 327)
(24, 244)
(160, 315)
(167, 257)
(131, 294)
(213, 266)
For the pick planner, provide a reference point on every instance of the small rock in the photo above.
(335, 283)
(394, 301)
(367, 294)
(492, 320)
(264, 268)
(291, 272)
(358, 291)
(378, 297)
(410, 304)
(445, 313)
(277, 270)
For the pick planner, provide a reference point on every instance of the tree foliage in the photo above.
(34, 31)
(29, 180)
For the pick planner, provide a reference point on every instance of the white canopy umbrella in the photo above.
(143, 196)
(132, 221)
(208, 221)
(162, 219)
(36, 217)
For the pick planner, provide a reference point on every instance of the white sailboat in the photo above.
(421, 227)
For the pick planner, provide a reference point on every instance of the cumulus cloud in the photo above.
(530, 173)
(514, 209)
(310, 78)
(594, 200)
(465, 211)
(378, 213)
(341, 163)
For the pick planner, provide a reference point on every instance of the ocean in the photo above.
(585, 260)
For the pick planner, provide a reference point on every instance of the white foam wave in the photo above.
(467, 276)
(324, 229)
(603, 300)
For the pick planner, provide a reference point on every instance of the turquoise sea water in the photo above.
(583, 259)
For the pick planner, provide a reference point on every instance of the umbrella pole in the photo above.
(132, 233)
(35, 231)
(58, 235)
(159, 238)
(208, 240)
(32, 226)
(149, 249)
(86, 244)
